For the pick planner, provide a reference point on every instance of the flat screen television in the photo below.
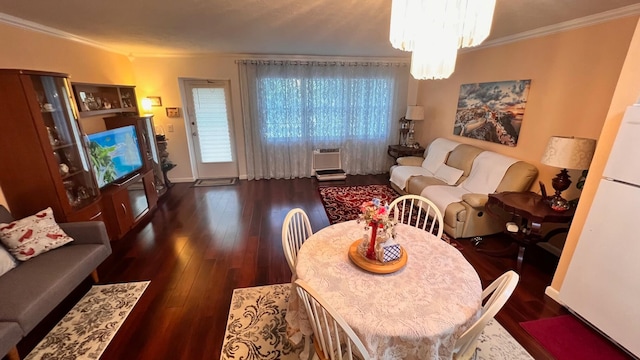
(115, 154)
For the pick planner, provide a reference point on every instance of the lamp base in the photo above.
(561, 182)
(558, 203)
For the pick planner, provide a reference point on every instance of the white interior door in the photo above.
(211, 125)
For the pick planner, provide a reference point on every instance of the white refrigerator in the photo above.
(602, 283)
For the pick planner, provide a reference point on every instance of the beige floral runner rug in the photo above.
(256, 329)
(87, 329)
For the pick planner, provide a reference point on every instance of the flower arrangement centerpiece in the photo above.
(376, 216)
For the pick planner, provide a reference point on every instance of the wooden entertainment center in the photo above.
(127, 202)
(47, 162)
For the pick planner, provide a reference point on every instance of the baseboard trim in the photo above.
(182, 180)
(553, 294)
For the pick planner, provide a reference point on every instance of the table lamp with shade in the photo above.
(566, 153)
(414, 113)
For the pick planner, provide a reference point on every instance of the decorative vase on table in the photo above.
(378, 225)
(371, 250)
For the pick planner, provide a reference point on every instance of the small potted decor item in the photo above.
(375, 215)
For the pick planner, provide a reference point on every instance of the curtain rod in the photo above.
(321, 62)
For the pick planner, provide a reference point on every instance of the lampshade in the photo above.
(569, 152)
(435, 29)
(405, 22)
(414, 112)
(476, 18)
(434, 59)
(146, 104)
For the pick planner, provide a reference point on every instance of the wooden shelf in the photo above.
(101, 99)
(89, 113)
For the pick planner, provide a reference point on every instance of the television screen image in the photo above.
(114, 154)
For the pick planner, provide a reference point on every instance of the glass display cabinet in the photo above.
(46, 162)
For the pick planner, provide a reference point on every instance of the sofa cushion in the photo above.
(448, 174)
(518, 177)
(33, 235)
(400, 174)
(417, 183)
(487, 172)
(462, 158)
(37, 286)
(10, 334)
(409, 161)
(7, 262)
(437, 154)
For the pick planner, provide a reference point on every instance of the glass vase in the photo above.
(371, 251)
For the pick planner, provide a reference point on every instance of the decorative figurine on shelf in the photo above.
(64, 169)
(375, 215)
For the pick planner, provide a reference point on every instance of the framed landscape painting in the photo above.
(492, 111)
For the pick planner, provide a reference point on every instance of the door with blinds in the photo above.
(210, 120)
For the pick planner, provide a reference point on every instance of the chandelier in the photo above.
(434, 30)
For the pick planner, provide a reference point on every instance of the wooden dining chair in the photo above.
(295, 230)
(418, 211)
(500, 291)
(333, 338)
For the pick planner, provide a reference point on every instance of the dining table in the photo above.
(416, 312)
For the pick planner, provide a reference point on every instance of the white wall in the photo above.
(156, 76)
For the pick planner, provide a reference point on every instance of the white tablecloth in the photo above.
(414, 313)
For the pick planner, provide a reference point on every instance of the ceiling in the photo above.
(291, 27)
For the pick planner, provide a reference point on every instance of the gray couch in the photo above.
(35, 287)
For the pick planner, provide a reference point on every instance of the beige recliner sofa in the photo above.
(466, 218)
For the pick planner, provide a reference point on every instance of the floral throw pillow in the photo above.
(33, 235)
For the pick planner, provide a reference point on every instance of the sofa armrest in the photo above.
(475, 200)
(87, 232)
(410, 161)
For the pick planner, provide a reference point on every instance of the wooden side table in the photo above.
(532, 211)
(396, 151)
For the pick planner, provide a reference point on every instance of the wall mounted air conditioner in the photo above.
(327, 164)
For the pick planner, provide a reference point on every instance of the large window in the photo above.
(291, 108)
(325, 109)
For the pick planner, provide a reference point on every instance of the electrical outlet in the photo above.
(170, 126)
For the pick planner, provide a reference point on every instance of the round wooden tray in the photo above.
(376, 266)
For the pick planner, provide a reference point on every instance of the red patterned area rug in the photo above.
(567, 338)
(342, 203)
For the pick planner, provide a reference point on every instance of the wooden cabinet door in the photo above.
(92, 212)
(122, 211)
(150, 189)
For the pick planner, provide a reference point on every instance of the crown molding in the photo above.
(631, 10)
(30, 25)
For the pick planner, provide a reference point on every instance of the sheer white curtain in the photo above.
(293, 107)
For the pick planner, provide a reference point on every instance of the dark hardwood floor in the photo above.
(203, 242)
